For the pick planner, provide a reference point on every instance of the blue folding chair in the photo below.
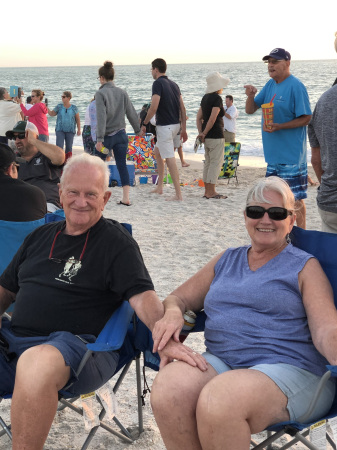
(324, 247)
(118, 334)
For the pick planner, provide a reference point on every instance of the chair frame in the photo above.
(235, 161)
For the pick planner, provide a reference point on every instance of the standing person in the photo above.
(68, 118)
(168, 106)
(178, 144)
(10, 113)
(229, 119)
(88, 143)
(323, 140)
(211, 132)
(112, 104)
(284, 141)
(44, 162)
(37, 114)
(29, 102)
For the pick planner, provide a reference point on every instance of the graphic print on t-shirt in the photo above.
(71, 267)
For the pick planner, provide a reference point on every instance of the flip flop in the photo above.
(125, 204)
(218, 196)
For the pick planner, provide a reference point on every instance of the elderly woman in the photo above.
(37, 114)
(270, 327)
(112, 104)
(211, 132)
(68, 118)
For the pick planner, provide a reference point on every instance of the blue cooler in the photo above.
(114, 174)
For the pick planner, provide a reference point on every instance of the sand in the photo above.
(176, 239)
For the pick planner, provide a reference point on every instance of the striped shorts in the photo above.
(295, 175)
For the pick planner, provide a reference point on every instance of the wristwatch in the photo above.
(144, 124)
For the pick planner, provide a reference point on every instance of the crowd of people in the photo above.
(254, 373)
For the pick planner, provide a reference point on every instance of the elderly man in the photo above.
(56, 310)
(44, 162)
(284, 140)
(10, 113)
(19, 201)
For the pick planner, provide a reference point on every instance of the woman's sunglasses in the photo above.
(274, 213)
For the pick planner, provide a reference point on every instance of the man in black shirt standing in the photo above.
(167, 103)
(66, 280)
(44, 161)
(19, 201)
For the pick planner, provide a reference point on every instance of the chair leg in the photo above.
(139, 396)
(6, 429)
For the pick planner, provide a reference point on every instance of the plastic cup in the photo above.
(268, 113)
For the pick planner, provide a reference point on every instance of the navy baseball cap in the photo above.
(278, 53)
(8, 157)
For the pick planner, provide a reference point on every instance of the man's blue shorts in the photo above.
(295, 175)
(99, 368)
(297, 384)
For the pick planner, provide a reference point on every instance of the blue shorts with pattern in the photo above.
(295, 175)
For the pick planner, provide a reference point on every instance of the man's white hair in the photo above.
(89, 160)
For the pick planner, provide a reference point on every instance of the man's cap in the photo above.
(8, 156)
(21, 127)
(278, 53)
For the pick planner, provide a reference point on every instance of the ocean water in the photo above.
(82, 81)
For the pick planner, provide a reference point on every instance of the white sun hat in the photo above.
(215, 82)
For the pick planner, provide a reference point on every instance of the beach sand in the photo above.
(176, 239)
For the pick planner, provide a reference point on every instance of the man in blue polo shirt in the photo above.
(167, 103)
(284, 141)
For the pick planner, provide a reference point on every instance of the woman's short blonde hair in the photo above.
(276, 184)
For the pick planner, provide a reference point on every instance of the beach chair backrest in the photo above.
(231, 160)
(12, 234)
(141, 153)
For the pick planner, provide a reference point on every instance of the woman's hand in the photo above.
(99, 146)
(166, 328)
(179, 352)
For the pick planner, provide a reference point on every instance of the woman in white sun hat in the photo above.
(211, 132)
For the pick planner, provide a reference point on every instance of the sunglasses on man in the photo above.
(274, 213)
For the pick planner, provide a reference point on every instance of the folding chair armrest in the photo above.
(333, 370)
(113, 334)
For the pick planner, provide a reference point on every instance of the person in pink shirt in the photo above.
(37, 114)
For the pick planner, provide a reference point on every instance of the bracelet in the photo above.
(145, 124)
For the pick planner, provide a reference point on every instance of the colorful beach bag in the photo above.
(141, 153)
(231, 161)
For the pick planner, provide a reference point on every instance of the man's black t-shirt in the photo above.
(168, 112)
(20, 201)
(65, 294)
(40, 172)
(208, 102)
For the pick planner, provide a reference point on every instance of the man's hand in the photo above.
(31, 139)
(177, 351)
(79, 132)
(184, 136)
(271, 127)
(166, 328)
(250, 90)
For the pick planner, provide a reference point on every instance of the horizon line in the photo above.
(170, 64)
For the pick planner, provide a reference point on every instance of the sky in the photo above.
(128, 32)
